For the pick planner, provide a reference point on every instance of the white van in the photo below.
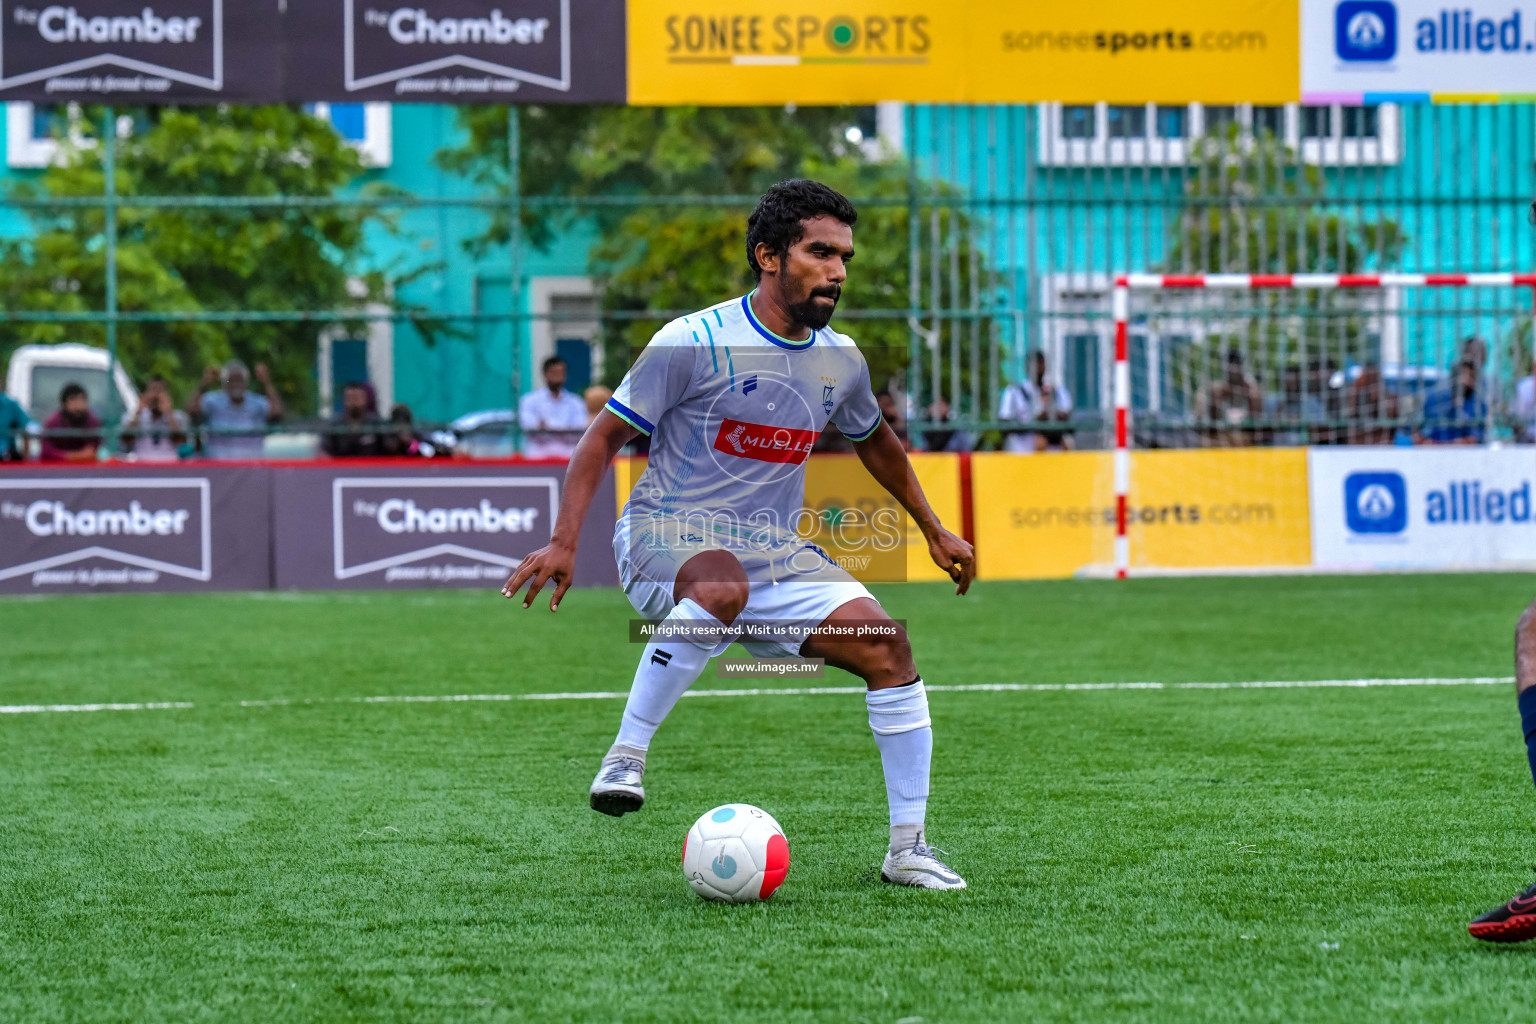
(38, 373)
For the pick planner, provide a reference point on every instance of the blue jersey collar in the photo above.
(746, 307)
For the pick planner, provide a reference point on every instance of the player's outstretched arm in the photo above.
(886, 460)
(556, 561)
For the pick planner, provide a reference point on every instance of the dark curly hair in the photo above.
(778, 219)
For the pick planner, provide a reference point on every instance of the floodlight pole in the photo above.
(109, 209)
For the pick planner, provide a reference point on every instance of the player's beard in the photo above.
(812, 314)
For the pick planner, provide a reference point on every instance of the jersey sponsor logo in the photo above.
(749, 385)
(764, 443)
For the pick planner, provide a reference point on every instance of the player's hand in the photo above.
(551, 563)
(954, 556)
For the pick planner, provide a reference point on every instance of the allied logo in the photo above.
(749, 385)
(1365, 30)
(1375, 503)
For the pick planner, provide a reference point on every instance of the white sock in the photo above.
(903, 731)
(667, 668)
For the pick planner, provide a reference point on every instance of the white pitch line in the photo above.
(34, 709)
(797, 691)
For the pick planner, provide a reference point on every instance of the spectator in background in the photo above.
(1295, 409)
(1370, 407)
(358, 434)
(552, 418)
(944, 439)
(1034, 405)
(1524, 411)
(156, 430)
(1232, 404)
(891, 413)
(596, 397)
(13, 429)
(402, 440)
(237, 420)
(78, 429)
(1456, 413)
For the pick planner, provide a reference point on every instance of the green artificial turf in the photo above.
(1159, 855)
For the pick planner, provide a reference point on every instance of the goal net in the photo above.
(1224, 387)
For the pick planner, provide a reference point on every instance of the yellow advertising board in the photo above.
(964, 51)
(854, 520)
(1053, 515)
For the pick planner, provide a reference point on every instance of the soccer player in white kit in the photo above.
(733, 397)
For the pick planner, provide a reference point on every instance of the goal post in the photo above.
(1127, 286)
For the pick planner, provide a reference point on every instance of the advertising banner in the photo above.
(1054, 515)
(391, 526)
(455, 51)
(1372, 50)
(93, 530)
(1420, 508)
(979, 51)
(140, 51)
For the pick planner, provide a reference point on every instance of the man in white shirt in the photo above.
(552, 418)
(1525, 410)
(1033, 402)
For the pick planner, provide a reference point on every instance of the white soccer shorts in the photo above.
(796, 592)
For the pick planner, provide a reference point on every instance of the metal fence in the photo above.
(1017, 218)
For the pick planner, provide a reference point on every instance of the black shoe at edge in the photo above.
(1514, 921)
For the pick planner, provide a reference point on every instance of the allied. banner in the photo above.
(140, 51)
(1448, 507)
(1216, 508)
(979, 51)
(417, 526)
(1357, 51)
(104, 529)
(455, 51)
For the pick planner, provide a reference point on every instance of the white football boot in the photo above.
(919, 866)
(617, 790)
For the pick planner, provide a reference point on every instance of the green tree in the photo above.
(645, 178)
(186, 259)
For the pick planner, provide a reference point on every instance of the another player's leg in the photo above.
(711, 590)
(1515, 921)
(898, 716)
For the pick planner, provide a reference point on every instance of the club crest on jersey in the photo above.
(827, 384)
(764, 443)
(749, 385)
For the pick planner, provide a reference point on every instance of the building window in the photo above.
(1150, 134)
(29, 140)
(366, 127)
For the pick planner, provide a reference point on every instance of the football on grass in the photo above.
(735, 854)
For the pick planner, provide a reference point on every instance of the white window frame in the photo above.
(1054, 149)
(23, 150)
(377, 147)
(542, 292)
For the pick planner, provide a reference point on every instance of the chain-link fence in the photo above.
(996, 233)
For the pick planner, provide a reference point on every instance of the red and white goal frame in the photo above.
(1125, 284)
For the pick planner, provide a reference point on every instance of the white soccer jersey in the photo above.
(733, 410)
